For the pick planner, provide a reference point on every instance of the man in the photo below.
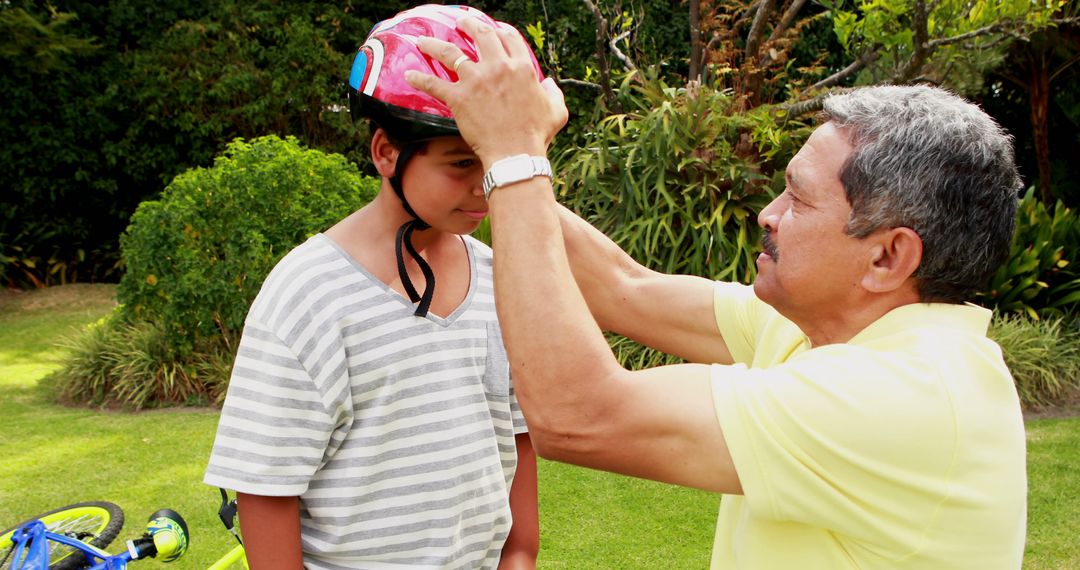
(849, 405)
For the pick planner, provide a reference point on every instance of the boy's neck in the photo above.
(375, 226)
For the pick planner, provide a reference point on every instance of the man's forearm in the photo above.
(556, 349)
(603, 271)
(671, 313)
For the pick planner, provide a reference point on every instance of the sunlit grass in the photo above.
(54, 455)
(1054, 494)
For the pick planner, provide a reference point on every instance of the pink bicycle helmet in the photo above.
(378, 91)
(377, 86)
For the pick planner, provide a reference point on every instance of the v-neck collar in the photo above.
(403, 300)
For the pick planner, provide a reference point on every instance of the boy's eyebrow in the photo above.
(453, 152)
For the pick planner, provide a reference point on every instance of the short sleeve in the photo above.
(274, 427)
(733, 305)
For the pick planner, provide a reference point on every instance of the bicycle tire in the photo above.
(96, 523)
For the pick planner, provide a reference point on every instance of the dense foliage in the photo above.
(105, 102)
(195, 260)
(1042, 275)
(683, 116)
(678, 179)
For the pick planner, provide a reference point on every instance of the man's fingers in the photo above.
(429, 84)
(553, 92)
(557, 100)
(488, 43)
(443, 52)
(513, 43)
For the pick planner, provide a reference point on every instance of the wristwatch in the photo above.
(513, 169)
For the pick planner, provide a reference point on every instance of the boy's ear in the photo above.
(383, 153)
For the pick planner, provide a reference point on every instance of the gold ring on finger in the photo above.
(460, 60)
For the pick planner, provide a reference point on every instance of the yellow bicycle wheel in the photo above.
(96, 523)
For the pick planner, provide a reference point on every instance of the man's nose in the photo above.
(769, 217)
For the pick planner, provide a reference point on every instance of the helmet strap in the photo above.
(403, 239)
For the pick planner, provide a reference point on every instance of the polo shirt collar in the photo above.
(968, 318)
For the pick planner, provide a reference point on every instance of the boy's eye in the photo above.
(467, 163)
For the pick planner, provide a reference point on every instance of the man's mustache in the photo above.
(770, 247)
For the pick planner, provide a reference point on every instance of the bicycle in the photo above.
(74, 538)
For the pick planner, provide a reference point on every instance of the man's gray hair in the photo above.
(926, 159)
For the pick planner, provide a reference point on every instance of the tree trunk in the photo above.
(1039, 95)
(697, 52)
(602, 35)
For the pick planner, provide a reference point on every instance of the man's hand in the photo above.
(499, 106)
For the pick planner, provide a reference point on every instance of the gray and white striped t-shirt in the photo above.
(396, 431)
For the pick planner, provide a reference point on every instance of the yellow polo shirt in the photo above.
(903, 448)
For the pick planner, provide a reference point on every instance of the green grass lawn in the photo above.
(54, 455)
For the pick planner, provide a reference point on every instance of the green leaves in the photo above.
(197, 257)
(678, 179)
(195, 261)
(952, 42)
(1040, 277)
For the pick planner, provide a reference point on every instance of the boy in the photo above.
(370, 421)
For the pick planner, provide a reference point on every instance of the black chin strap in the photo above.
(404, 238)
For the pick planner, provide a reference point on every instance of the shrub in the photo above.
(131, 364)
(1041, 276)
(196, 258)
(678, 180)
(1043, 355)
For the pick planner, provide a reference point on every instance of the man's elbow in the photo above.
(566, 438)
(571, 419)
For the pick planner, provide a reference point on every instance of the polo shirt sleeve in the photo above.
(739, 316)
(839, 438)
(275, 428)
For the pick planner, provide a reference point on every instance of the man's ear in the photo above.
(895, 256)
(383, 153)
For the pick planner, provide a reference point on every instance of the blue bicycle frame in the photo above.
(31, 549)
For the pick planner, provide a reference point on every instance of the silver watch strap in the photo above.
(514, 169)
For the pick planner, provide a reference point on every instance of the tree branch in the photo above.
(921, 43)
(808, 106)
(1063, 67)
(854, 67)
(601, 52)
(580, 83)
(757, 29)
(785, 22)
(1002, 27)
(619, 54)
